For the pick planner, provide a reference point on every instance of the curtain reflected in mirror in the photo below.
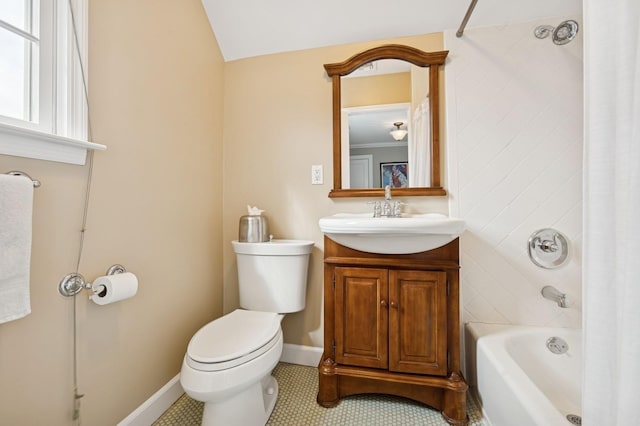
(419, 150)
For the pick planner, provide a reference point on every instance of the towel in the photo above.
(16, 207)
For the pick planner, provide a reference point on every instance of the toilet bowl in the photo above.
(229, 361)
(228, 366)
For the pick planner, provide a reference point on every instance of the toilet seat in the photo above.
(233, 339)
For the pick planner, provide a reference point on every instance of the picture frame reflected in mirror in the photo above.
(394, 174)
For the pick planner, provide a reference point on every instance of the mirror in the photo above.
(391, 87)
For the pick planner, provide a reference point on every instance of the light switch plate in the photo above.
(316, 175)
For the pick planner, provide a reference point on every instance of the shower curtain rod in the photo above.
(466, 18)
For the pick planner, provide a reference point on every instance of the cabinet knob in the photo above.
(394, 304)
(383, 303)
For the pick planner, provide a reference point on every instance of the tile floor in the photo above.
(297, 406)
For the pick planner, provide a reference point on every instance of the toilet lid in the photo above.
(233, 336)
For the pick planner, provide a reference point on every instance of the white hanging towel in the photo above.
(16, 207)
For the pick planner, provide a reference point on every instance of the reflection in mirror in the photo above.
(376, 92)
(369, 114)
(367, 141)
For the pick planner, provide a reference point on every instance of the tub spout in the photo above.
(552, 293)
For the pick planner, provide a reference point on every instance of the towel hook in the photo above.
(36, 183)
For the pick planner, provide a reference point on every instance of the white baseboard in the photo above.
(301, 355)
(156, 405)
(159, 402)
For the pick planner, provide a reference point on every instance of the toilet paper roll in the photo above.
(113, 288)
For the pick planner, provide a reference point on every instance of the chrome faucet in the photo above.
(388, 208)
(552, 293)
(387, 193)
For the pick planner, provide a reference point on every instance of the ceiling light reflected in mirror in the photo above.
(398, 133)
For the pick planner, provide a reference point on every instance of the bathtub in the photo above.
(518, 380)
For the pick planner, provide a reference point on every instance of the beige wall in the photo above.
(165, 202)
(376, 90)
(156, 79)
(277, 124)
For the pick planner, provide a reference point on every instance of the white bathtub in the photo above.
(518, 380)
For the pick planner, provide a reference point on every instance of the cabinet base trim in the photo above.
(446, 394)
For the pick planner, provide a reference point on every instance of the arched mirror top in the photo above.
(390, 51)
(344, 154)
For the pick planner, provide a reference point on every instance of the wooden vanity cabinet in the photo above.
(392, 327)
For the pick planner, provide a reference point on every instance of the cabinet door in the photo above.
(361, 316)
(418, 322)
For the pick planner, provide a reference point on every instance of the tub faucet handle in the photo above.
(549, 246)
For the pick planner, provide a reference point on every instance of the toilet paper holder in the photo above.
(74, 282)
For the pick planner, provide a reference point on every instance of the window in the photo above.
(19, 61)
(43, 112)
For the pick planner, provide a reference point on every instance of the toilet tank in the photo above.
(272, 276)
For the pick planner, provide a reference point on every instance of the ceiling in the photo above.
(247, 28)
(369, 127)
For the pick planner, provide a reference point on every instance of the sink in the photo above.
(409, 233)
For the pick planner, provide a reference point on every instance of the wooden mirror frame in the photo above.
(390, 51)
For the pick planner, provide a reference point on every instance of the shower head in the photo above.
(565, 32)
(562, 34)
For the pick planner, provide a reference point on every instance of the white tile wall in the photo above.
(514, 147)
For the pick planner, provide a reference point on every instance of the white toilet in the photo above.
(229, 361)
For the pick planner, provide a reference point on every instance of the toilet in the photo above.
(229, 361)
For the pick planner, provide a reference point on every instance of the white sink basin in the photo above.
(410, 233)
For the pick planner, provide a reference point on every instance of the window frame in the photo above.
(61, 132)
(29, 34)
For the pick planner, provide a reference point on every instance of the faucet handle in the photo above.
(377, 208)
(397, 207)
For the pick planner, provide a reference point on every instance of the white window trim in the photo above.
(27, 142)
